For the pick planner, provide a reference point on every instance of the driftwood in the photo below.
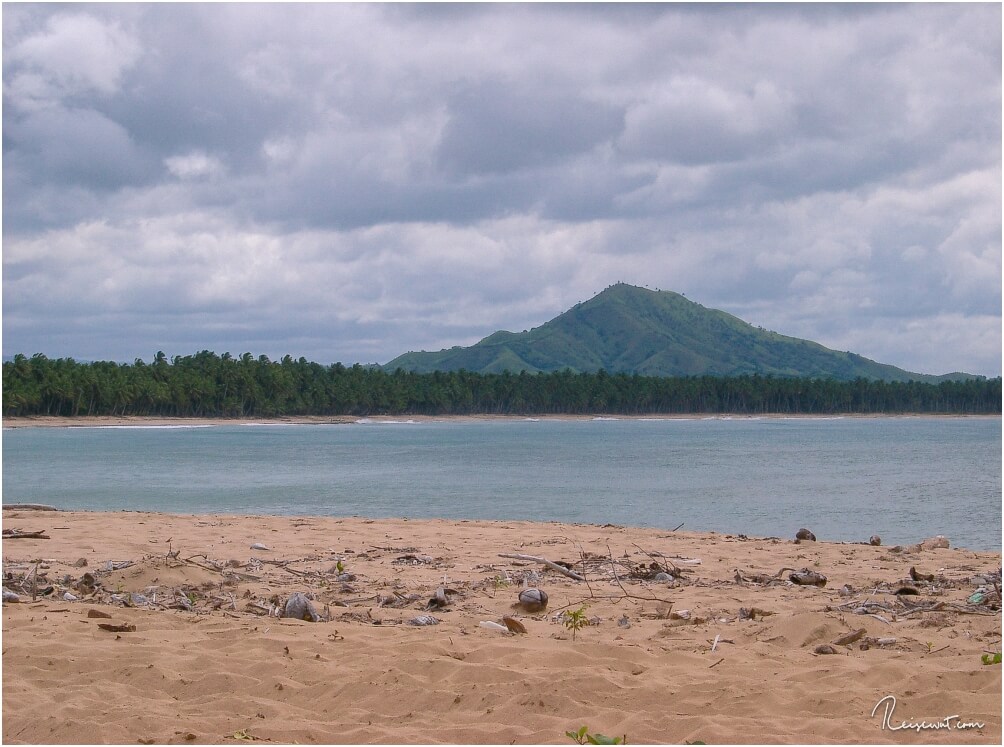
(21, 534)
(849, 638)
(544, 561)
(112, 628)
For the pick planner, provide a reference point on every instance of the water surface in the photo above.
(844, 478)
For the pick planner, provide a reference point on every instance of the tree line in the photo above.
(210, 385)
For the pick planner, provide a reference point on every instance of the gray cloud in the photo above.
(349, 181)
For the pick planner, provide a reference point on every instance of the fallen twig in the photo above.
(668, 566)
(544, 561)
(21, 534)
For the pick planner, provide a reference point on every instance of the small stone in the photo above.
(934, 543)
(805, 535)
(806, 577)
(875, 540)
(81, 563)
(298, 607)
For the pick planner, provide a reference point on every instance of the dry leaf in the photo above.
(514, 625)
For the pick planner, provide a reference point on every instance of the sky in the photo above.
(348, 182)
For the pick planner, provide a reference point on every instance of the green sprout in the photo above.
(582, 736)
(575, 620)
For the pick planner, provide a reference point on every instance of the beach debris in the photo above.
(397, 599)
(532, 600)
(260, 546)
(849, 638)
(513, 624)
(804, 535)
(918, 576)
(299, 607)
(760, 578)
(662, 577)
(68, 597)
(846, 590)
(867, 643)
(22, 534)
(624, 622)
(87, 584)
(903, 590)
(118, 565)
(411, 559)
(563, 569)
(875, 540)
(441, 599)
(98, 614)
(245, 735)
(492, 625)
(114, 628)
(984, 596)
(426, 620)
(825, 648)
(752, 613)
(806, 577)
(81, 563)
(934, 543)
(685, 561)
(10, 596)
(679, 615)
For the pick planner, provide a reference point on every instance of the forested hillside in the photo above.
(626, 329)
(211, 385)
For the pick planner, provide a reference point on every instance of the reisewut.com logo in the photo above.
(888, 709)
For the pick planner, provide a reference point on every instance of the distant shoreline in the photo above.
(98, 421)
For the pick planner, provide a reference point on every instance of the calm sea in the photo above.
(844, 478)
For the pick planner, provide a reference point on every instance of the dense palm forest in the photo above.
(210, 385)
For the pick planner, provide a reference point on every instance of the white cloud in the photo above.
(74, 54)
(194, 165)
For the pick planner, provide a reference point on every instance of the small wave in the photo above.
(606, 418)
(139, 427)
(368, 421)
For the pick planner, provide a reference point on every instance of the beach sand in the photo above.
(659, 663)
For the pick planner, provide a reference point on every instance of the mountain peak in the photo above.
(628, 329)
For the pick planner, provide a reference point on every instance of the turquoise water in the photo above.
(844, 478)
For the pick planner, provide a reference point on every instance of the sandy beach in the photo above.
(722, 652)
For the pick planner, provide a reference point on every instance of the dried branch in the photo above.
(544, 561)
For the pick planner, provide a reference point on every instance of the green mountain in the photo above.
(654, 333)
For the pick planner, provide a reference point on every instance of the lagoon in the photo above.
(903, 478)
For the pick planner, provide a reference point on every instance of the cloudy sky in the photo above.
(348, 182)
